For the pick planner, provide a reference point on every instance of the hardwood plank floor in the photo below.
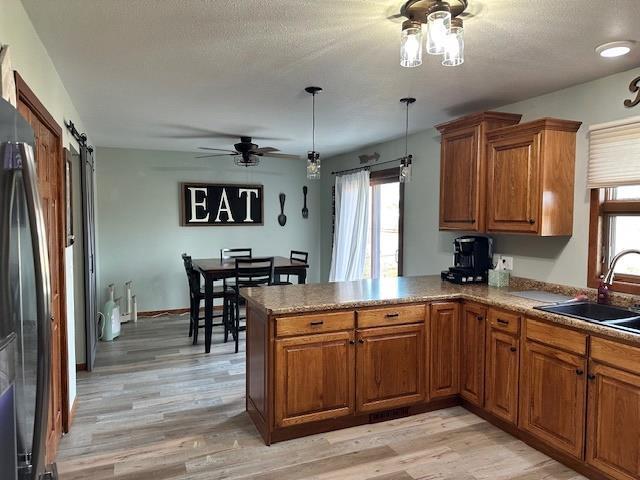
(158, 408)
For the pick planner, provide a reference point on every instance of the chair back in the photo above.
(227, 253)
(299, 256)
(254, 272)
(192, 275)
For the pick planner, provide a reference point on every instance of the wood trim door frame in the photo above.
(27, 96)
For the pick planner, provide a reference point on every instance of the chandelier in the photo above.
(444, 31)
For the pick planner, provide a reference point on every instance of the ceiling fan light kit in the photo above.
(313, 157)
(445, 31)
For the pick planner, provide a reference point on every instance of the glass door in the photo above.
(384, 245)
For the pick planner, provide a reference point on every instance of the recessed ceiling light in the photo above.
(614, 49)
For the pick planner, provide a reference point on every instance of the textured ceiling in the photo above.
(143, 71)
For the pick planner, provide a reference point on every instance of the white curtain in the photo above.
(351, 227)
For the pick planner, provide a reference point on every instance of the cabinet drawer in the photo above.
(317, 323)
(555, 336)
(616, 354)
(384, 317)
(505, 321)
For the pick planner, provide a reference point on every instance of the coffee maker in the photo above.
(472, 259)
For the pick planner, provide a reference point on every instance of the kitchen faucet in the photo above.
(608, 278)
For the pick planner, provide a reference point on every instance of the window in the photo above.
(384, 245)
(615, 226)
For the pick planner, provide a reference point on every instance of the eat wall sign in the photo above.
(206, 204)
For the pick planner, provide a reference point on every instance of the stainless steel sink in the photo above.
(615, 317)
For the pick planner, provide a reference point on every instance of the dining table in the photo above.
(216, 269)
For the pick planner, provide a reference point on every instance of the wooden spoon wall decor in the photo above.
(282, 218)
(305, 210)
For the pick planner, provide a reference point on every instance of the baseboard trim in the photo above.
(72, 414)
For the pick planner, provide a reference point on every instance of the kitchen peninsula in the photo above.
(326, 356)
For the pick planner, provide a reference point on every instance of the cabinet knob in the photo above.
(579, 371)
(360, 340)
(513, 349)
(532, 221)
(352, 342)
(591, 376)
(480, 318)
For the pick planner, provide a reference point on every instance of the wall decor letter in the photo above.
(634, 87)
(209, 204)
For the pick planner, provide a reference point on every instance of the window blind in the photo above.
(614, 154)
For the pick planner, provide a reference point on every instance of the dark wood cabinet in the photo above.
(444, 349)
(613, 440)
(472, 353)
(553, 397)
(501, 378)
(463, 169)
(314, 377)
(530, 177)
(390, 367)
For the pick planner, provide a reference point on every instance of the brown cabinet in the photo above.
(472, 351)
(463, 169)
(444, 350)
(553, 397)
(613, 420)
(314, 377)
(390, 367)
(530, 177)
(501, 376)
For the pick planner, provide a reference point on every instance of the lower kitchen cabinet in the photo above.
(472, 342)
(390, 367)
(501, 379)
(613, 439)
(553, 397)
(444, 350)
(314, 378)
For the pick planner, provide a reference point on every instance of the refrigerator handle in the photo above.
(43, 298)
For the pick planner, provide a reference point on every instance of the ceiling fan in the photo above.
(247, 153)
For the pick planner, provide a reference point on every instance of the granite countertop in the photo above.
(315, 297)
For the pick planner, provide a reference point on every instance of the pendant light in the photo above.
(411, 44)
(454, 45)
(406, 161)
(313, 157)
(438, 27)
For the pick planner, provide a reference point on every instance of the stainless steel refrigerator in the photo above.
(24, 293)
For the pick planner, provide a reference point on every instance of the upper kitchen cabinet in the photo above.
(530, 177)
(463, 169)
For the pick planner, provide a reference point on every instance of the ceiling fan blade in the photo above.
(283, 155)
(265, 150)
(216, 155)
(217, 149)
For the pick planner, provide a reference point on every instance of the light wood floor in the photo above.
(158, 408)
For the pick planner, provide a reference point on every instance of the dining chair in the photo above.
(228, 253)
(249, 272)
(294, 256)
(197, 295)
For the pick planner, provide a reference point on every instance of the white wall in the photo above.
(30, 58)
(140, 237)
(428, 251)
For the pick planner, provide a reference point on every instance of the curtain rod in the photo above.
(81, 138)
(366, 167)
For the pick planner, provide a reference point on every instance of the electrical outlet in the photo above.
(497, 260)
(508, 263)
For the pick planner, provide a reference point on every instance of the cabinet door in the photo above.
(444, 350)
(390, 369)
(472, 343)
(459, 180)
(613, 440)
(553, 396)
(501, 381)
(513, 184)
(315, 377)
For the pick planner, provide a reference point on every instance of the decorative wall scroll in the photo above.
(634, 87)
(204, 204)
